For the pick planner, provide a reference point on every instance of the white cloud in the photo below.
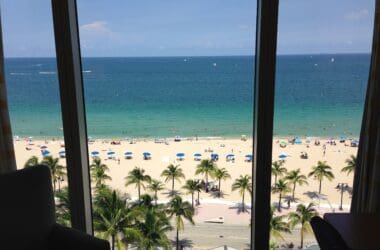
(357, 15)
(96, 26)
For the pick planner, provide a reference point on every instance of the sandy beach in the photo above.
(163, 154)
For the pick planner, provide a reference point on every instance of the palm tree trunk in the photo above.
(54, 183)
(177, 240)
(275, 179)
(243, 203)
(206, 178)
(198, 202)
(192, 200)
(294, 189)
(219, 188)
(320, 186)
(302, 236)
(138, 190)
(173, 185)
(113, 242)
(279, 203)
(59, 185)
(155, 197)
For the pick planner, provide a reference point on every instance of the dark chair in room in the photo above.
(327, 236)
(27, 215)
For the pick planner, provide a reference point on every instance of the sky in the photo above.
(189, 28)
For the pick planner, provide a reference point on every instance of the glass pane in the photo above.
(168, 87)
(33, 92)
(322, 72)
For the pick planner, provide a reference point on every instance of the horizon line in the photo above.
(174, 56)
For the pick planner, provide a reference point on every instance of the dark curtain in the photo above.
(366, 192)
(7, 155)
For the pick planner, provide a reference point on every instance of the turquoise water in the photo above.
(187, 96)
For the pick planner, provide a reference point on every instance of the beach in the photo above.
(162, 155)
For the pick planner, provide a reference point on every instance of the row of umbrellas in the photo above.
(129, 154)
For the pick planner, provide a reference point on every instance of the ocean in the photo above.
(316, 95)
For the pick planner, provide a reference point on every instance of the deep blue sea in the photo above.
(316, 95)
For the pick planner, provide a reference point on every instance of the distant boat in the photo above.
(214, 64)
(185, 60)
(332, 59)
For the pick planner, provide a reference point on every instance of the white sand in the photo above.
(163, 155)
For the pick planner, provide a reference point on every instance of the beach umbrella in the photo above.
(249, 156)
(282, 156)
(180, 155)
(45, 153)
(146, 154)
(110, 153)
(230, 156)
(43, 147)
(214, 156)
(95, 153)
(62, 154)
(128, 153)
(297, 141)
(197, 155)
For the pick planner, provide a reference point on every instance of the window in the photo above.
(33, 92)
(323, 61)
(160, 101)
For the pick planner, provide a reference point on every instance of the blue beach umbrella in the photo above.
(297, 141)
(45, 153)
(249, 156)
(197, 155)
(146, 154)
(110, 153)
(180, 155)
(62, 152)
(230, 156)
(95, 153)
(282, 156)
(43, 147)
(128, 153)
(214, 156)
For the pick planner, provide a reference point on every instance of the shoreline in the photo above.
(187, 138)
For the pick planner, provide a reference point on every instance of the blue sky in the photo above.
(192, 28)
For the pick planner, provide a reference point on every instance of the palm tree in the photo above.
(137, 177)
(31, 162)
(115, 219)
(98, 172)
(57, 171)
(191, 187)
(243, 184)
(220, 174)
(277, 225)
(278, 169)
(62, 207)
(281, 187)
(156, 186)
(295, 177)
(173, 173)
(180, 210)
(206, 167)
(303, 215)
(155, 224)
(351, 165)
(322, 170)
(199, 189)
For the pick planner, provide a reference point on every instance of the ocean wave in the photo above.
(19, 73)
(46, 72)
(86, 71)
